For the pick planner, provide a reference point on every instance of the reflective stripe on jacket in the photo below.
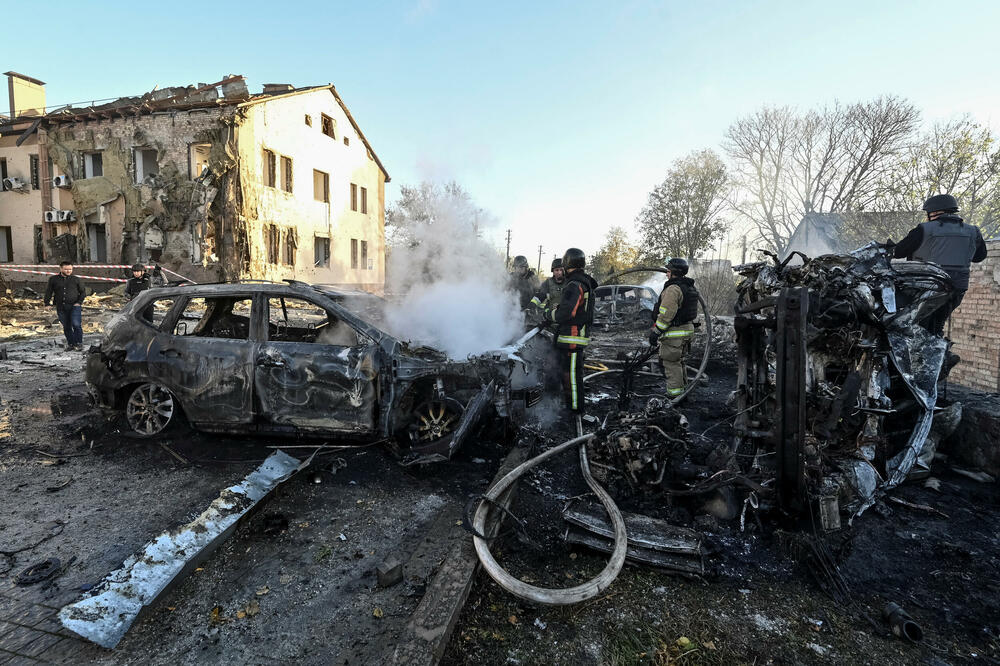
(575, 311)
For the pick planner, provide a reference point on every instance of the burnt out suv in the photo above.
(290, 358)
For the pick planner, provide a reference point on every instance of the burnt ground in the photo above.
(305, 592)
(75, 487)
(760, 601)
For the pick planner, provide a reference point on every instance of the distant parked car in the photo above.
(624, 305)
(289, 358)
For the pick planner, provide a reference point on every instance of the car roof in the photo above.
(236, 288)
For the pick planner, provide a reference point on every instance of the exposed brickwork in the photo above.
(975, 326)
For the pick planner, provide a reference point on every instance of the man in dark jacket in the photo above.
(947, 241)
(550, 293)
(573, 316)
(66, 292)
(674, 324)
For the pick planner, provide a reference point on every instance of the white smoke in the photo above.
(448, 287)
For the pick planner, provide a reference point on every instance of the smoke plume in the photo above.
(448, 287)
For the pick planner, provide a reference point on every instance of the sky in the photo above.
(558, 117)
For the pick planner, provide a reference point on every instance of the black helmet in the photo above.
(574, 258)
(138, 267)
(944, 202)
(520, 261)
(678, 265)
(556, 263)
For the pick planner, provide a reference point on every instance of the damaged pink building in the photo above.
(209, 181)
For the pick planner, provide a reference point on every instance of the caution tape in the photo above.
(22, 268)
(82, 277)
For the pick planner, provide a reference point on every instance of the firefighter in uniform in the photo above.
(948, 242)
(523, 280)
(674, 324)
(573, 316)
(549, 294)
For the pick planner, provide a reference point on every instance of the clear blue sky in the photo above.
(559, 117)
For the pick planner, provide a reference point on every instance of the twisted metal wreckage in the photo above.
(835, 404)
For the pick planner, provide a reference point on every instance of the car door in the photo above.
(314, 371)
(203, 353)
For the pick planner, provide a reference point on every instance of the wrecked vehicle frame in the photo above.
(290, 359)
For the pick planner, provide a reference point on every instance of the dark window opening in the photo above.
(270, 169)
(272, 238)
(364, 200)
(309, 120)
(93, 165)
(3, 168)
(291, 245)
(347, 141)
(286, 173)
(354, 253)
(321, 252)
(364, 256)
(329, 126)
(39, 245)
(6, 246)
(354, 196)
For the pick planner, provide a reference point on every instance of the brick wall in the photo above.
(975, 327)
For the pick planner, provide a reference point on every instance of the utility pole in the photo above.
(539, 269)
(743, 257)
(507, 263)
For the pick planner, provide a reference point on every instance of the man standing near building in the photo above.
(66, 292)
(573, 317)
(523, 280)
(550, 293)
(674, 324)
(947, 241)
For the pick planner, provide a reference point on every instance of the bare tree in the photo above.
(682, 216)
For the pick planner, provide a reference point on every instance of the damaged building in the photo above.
(210, 181)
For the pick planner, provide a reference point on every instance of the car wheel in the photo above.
(150, 409)
(434, 420)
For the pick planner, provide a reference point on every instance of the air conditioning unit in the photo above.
(60, 181)
(51, 216)
(13, 184)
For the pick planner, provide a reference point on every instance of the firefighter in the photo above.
(523, 280)
(674, 324)
(549, 294)
(573, 317)
(948, 242)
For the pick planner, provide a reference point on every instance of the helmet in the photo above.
(520, 261)
(678, 265)
(574, 258)
(138, 267)
(944, 202)
(556, 263)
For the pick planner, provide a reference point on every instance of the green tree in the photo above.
(683, 214)
(616, 254)
(429, 206)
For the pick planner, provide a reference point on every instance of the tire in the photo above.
(150, 410)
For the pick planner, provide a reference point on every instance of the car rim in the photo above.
(150, 409)
(436, 419)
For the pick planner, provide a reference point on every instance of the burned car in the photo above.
(289, 358)
(627, 305)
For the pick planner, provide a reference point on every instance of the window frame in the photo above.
(354, 253)
(354, 197)
(270, 171)
(287, 172)
(328, 122)
(326, 186)
(364, 200)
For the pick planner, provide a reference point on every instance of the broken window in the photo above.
(198, 154)
(286, 173)
(154, 313)
(146, 163)
(364, 200)
(309, 120)
(321, 186)
(298, 320)
(354, 196)
(354, 253)
(97, 241)
(272, 238)
(321, 252)
(329, 126)
(3, 168)
(270, 169)
(347, 141)
(93, 165)
(33, 171)
(364, 256)
(215, 317)
(39, 246)
(6, 246)
(291, 244)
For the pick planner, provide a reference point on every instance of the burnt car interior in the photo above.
(293, 319)
(225, 317)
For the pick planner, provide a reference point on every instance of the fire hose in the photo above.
(603, 580)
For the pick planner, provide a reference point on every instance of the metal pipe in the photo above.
(901, 623)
